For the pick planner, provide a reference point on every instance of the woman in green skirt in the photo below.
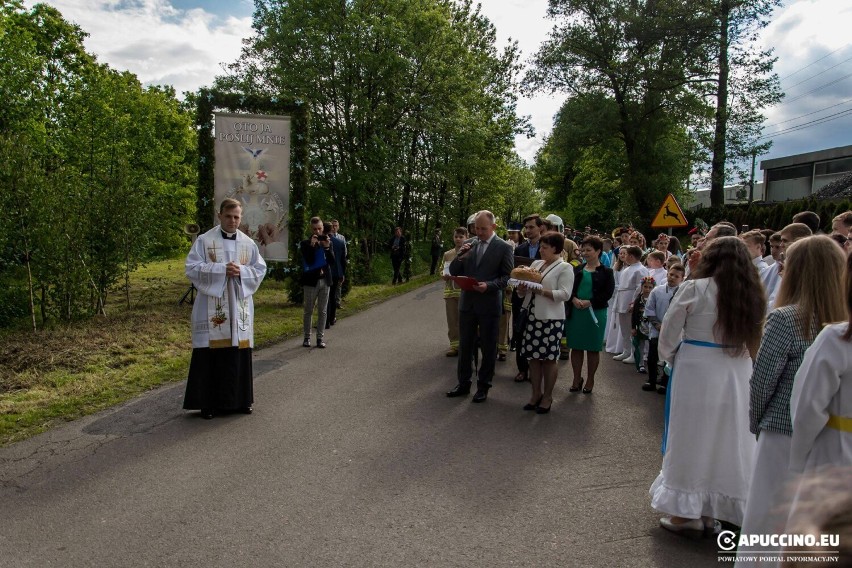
(594, 285)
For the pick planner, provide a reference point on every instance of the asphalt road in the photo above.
(353, 457)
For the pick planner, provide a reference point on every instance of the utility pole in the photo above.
(751, 183)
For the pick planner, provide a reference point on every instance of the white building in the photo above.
(789, 177)
(797, 177)
(733, 194)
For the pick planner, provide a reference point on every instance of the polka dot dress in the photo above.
(542, 338)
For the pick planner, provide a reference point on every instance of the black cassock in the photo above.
(219, 379)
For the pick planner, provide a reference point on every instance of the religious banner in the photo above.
(253, 166)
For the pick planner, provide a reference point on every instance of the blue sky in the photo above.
(185, 42)
(238, 8)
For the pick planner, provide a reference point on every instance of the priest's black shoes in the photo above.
(207, 413)
(458, 390)
(480, 395)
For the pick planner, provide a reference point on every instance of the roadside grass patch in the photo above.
(64, 372)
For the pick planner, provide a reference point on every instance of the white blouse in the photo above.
(558, 278)
(691, 315)
(822, 389)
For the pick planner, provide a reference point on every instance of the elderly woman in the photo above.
(543, 331)
(719, 316)
(804, 303)
(594, 285)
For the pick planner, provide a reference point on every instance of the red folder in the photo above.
(465, 282)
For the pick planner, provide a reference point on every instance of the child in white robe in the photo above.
(629, 283)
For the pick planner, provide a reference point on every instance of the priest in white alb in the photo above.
(226, 267)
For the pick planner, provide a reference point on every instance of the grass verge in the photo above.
(68, 371)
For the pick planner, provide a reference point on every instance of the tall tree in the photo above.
(742, 84)
(639, 56)
(90, 161)
(411, 104)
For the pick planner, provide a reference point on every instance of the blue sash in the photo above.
(671, 382)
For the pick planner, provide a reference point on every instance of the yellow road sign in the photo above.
(670, 215)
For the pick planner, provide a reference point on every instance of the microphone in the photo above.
(470, 242)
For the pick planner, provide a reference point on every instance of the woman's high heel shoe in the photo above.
(542, 410)
(530, 406)
(588, 390)
(572, 388)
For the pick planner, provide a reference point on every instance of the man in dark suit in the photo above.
(533, 229)
(338, 273)
(489, 260)
(397, 248)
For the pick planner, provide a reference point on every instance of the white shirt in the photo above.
(822, 388)
(482, 246)
(657, 306)
(658, 274)
(691, 315)
(629, 283)
(771, 280)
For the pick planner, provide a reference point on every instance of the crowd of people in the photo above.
(747, 333)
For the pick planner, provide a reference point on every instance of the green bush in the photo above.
(773, 216)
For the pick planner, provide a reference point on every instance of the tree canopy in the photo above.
(673, 83)
(413, 107)
(90, 162)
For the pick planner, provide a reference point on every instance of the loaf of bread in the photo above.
(526, 274)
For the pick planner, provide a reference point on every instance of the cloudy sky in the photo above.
(184, 42)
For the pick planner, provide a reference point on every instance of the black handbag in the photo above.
(521, 322)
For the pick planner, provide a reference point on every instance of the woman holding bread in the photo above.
(543, 330)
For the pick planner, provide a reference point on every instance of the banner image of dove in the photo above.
(253, 166)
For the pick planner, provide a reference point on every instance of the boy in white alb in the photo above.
(628, 285)
(655, 261)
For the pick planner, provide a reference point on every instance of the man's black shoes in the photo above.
(459, 390)
(480, 395)
(321, 344)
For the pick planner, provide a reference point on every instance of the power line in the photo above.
(818, 74)
(808, 114)
(814, 63)
(796, 98)
(816, 122)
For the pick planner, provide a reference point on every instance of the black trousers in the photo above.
(485, 327)
(516, 310)
(331, 310)
(434, 265)
(653, 361)
(397, 264)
